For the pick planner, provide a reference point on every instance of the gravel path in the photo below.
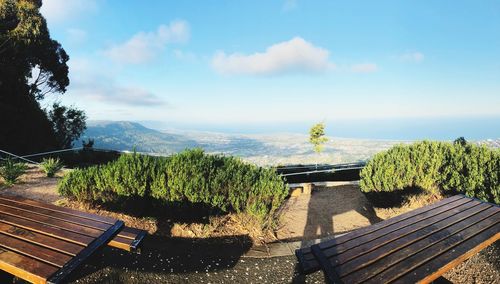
(34, 184)
(181, 261)
(308, 217)
(219, 260)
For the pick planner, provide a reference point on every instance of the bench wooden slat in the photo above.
(128, 239)
(393, 231)
(61, 209)
(418, 248)
(46, 229)
(308, 262)
(50, 221)
(40, 239)
(56, 215)
(489, 226)
(398, 226)
(372, 263)
(101, 240)
(25, 267)
(129, 244)
(121, 243)
(368, 244)
(396, 220)
(43, 254)
(130, 233)
(45, 245)
(446, 261)
(68, 214)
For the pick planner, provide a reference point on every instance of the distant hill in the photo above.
(270, 149)
(125, 135)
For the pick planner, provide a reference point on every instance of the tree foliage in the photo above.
(68, 124)
(29, 57)
(32, 65)
(461, 141)
(317, 137)
(436, 167)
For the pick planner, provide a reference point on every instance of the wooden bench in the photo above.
(417, 246)
(128, 239)
(43, 245)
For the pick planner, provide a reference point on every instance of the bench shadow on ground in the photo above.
(322, 212)
(162, 253)
(328, 211)
(342, 204)
(169, 255)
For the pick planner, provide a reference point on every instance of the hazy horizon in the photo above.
(370, 70)
(380, 129)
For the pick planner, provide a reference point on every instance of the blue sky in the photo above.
(283, 61)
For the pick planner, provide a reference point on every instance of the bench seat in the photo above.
(44, 244)
(128, 238)
(417, 246)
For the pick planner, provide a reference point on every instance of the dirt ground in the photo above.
(36, 185)
(328, 211)
(203, 253)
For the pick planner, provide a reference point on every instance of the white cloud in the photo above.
(412, 57)
(76, 36)
(61, 10)
(289, 5)
(295, 55)
(185, 55)
(91, 83)
(110, 93)
(144, 46)
(364, 68)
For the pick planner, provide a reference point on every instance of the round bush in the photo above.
(222, 182)
(436, 166)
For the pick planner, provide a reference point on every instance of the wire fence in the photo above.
(323, 171)
(319, 168)
(52, 152)
(18, 157)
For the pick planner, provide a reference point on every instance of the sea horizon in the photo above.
(471, 128)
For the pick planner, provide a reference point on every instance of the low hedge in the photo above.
(191, 176)
(436, 167)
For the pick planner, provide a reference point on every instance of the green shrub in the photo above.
(51, 166)
(81, 185)
(192, 177)
(10, 171)
(434, 167)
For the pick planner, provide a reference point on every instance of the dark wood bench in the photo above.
(128, 239)
(42, 245)
(417, 246)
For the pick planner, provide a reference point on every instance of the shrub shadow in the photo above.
(185, 212)
(166, 255)
(386, 199)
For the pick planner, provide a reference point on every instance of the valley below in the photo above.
(261, 149)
